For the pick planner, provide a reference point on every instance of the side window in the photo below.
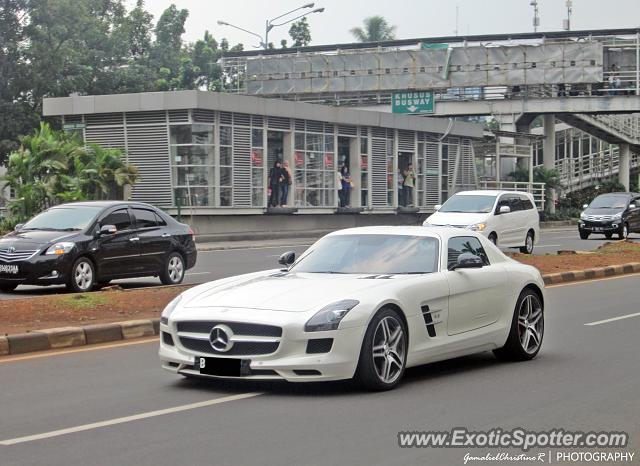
(120, 218)
(160, 221)
(144, 218)
(505, 200)
(461, 244)
(526, 203)
(515, 203)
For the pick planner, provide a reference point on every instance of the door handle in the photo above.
(166, 235)
(134, 239)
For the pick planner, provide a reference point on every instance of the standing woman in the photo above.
(347, 184)
(275, 175)
(286, 173)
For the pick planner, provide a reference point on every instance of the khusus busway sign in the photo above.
(412, 102)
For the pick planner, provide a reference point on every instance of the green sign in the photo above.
(72, 126)
(412, 102)
(424, 46)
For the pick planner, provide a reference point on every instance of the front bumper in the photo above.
(290, 361)
(600, 227)
(37, 270)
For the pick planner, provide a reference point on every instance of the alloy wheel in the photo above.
(389, 349)
(530, 324)
(529, 243)
(175, 268)
(83, 275)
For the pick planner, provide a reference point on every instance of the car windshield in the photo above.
(609, 202)
(63, 218)
(469, 204)
(371, 254)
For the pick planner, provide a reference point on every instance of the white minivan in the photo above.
(508, 218)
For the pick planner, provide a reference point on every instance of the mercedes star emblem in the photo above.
(220, 338)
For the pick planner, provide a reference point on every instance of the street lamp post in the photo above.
(270, 24)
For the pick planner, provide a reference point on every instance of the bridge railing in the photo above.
(536, 189)
(628, 125)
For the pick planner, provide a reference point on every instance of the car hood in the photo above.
(602, 211)
(456, 218)
(274, 290)
(32, 239)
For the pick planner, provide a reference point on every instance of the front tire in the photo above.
(383, 356)
(82, 277)
(624, 231)
(493, 238)
(584, 234)
(173, 270)
(608, 235)
(528, 244)
(527, 329)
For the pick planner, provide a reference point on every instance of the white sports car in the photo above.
(362, 303)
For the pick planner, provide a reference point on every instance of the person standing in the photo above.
(409, 184)
(286, 182)
(339, 187)
(275, 179)
(347, 184)
(401, 196)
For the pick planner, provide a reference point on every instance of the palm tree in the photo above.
(375, 29)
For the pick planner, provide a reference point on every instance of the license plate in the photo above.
(9, 269)
(597, 229)
(219, 366)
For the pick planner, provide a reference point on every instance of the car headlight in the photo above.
(329, 317)
(477, 227)
(617, 216)
(583, 216)
(59, 249)
(164, 318)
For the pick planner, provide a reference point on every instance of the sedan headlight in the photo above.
(164, 318)
(329, 317)
(477, 227)
(59, 249)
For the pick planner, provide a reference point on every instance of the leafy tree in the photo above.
(300, 33)
(52, 166)
(375, 29)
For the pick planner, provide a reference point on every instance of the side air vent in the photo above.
(428, 321)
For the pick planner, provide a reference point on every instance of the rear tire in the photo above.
(383, 356)
(584, 235)
(173, 270)
(527, 329)
(82, 277)
(528, 244)
(8, 287)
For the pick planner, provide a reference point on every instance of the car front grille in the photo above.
(598, 218)
(13, 255)
(248, 339)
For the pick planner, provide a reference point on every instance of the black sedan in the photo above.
(611, 213)
(84, 245)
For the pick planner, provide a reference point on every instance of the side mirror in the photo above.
(287, 258)
(467, 260)
(632, 206)
(437, 207)
(505, 209)
(584, 206)
(108, 230)
(18, 227)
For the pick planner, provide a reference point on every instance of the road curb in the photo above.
(67, 337)
(588, 274)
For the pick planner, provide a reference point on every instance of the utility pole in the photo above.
(536, 15)
(566, 24)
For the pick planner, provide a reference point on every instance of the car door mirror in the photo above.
(505, 209)
(437, 207)
(287, 258)
(468, 260)
(18, 227)
(632, 206)
(584, 206)
(108, 230)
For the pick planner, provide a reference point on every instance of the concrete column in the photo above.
(549, 155)
(624, 165)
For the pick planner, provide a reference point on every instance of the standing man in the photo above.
(409, 184)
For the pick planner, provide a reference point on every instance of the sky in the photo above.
(413, 18)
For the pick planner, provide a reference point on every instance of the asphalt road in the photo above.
(585, 378)
(212, 265)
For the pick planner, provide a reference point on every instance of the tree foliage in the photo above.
(52, 166)
(375, 29)
(53, 48)
(300, 33)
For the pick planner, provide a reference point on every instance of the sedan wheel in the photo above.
(624, 231)
(82, 277)
(384, 352)
(527, 329)
(173, 272)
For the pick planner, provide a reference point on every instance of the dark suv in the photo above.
(86, 244)
(611, 213)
